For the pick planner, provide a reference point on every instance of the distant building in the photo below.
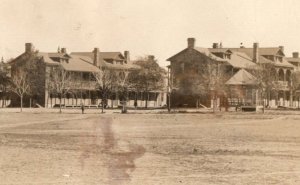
(295, 61)
(239, 63)
(4, 92)
(81, 65)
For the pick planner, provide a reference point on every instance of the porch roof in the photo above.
(242, 77)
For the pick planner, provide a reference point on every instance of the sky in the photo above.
(156, 27)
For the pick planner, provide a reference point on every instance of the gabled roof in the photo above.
(292, 59)
(103, 56)
(112, 55)
(47, 59)
(58, 55)
(242, 77)
(204, 51)
(276, 51)
(240, 60)
(284, 63)
(219, 50)
(79, 63)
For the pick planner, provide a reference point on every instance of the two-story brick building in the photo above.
(81, 66)
(239, 63)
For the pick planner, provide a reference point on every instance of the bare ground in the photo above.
(39, 148)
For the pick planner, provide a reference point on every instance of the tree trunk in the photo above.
(147, 99)
(268, 98)
(263, 95)
(124, 107)
(214, 103)
(60, 105)
(102, 105)
(21, 103)
(169, 102)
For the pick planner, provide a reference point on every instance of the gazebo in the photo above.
(243, 91)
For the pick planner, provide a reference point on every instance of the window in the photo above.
(182, 67)
(85, 76)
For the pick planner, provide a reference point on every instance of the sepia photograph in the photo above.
(160, 92)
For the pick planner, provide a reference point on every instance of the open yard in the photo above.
(232, 148)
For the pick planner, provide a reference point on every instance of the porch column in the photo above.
(284, 98)
(291, 98)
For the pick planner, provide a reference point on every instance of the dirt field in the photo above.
(76, 149)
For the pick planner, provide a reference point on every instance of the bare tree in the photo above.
(203, 80)
(59, 83)
(21, 85)
(266, 78)
(215, 77)
(105, 79)
(122, 86)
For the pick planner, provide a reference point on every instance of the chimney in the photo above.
(191, 43)
(295, 54)
(127, 56)
(215, 45)
(282, 48)
(151, 57)
(96, 56)
(63, 50)
(255, 52)
(28, 48)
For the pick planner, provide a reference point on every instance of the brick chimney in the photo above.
(151, 57)
(127, 56)
(255, 52)
(96, 56)
(295, 54)
(28, 48)
(282, 48)
(191, 43)
(215, 45)
(63, 50)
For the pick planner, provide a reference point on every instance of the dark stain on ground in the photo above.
(120, 163)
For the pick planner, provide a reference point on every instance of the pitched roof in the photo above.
(264, 52)
(242, 77)
(58, 55)
(292, 59)
(102, 55)
(111, 55)
(240, 60)
(284, 63)
(79, 63)
(261, 51)
(47, 59)
(89, 57)
(207, 53)
(219, 50)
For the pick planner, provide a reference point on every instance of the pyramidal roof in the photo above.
(242, 77)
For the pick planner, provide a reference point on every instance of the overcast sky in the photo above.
(157, 27)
